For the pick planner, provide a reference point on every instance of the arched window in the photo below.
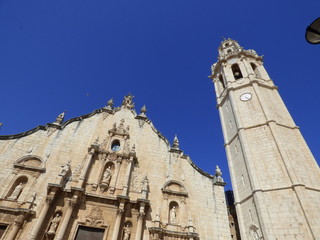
(255, 70)
(115, 146)
(254, 67)
(221, 81)
(236, 71)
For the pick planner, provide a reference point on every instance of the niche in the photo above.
(173, 212)
(54, 223)
(17, 188)
(106, 175)
(236, 71)
(126, 230)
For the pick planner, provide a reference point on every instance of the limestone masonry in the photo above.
(275, 178)
(111, 175)
(106, 175)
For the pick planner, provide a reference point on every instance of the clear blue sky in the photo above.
(74, 55)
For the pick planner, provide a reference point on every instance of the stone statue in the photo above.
(54, 224)
(65, 169)
(16, 192)
(126, 232)
(107, 175)
(144, 184)
(173, 215)
(127, 102)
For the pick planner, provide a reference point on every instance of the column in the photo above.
(86, 168)
(117, 224)
(115, 178)
(71, 204)
(139, 226)
(128, 173)
(16, 227)
(41, 218)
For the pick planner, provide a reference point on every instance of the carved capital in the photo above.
(49, 200)
(141, 216)
(72, 202)
(120, 212)
(19, 220)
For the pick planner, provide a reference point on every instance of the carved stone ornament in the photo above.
(54, 224)
(59, 119)
(143, 111)
(144, 187)
(95, 218)
(127, 102)
(217, 176)
(109, 104)
(112, 156)
(254, 232)
(120, 211)
(120, 129)
(72, 202)
(126, 232)
(49, 200)
(173, 215)
(134, 184)
(30, 163)
(16, 192)
(65, 169)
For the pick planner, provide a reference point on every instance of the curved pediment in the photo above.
(31, 163)
(174, 187)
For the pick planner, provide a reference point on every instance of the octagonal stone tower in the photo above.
(276, 179)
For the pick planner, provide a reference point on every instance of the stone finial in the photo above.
(175, 144)
(109, 104)
(143, 111)
(217, 176)
(60, 118)
(127, 102)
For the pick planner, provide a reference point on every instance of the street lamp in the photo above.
(313, 32)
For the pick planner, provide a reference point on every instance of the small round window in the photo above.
(226, 45)
(115, 146)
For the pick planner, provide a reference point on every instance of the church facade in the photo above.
(108, 175)
(275, 177)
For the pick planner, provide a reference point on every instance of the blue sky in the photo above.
(75, 55)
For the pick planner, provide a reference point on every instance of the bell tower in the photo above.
(275, 177)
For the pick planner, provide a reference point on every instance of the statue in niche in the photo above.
(107, 176)
(16, 192)
(54, 224)
(173, 215)
(144, 184)
(126, 232)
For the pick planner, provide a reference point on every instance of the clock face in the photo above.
(245, 97)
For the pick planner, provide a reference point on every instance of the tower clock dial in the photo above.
(245, 97)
